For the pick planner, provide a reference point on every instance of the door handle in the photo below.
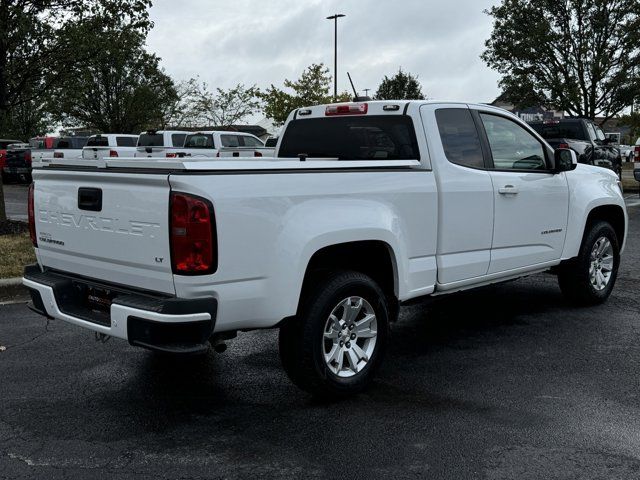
(508, 190)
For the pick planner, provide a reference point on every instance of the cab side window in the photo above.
(460, 137)
(513, 147)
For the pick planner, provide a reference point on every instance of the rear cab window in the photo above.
(230, 140)
(375, 137)
(70, 143)
(98, 142)
(572, 131)
(199, 140)
(177, 139)
(126, 141)
(151, 140)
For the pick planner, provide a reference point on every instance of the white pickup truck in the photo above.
(367, 206)
(224, 144)
(110, 145)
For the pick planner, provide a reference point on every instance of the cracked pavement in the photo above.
(504, 382)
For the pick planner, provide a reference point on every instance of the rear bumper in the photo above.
(160, 323)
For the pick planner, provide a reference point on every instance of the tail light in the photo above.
(3, 155)
(257, 154)
(58, 154)
(353, 109)
(32, 217)
(636, 154)
(27, 157)
(171, 155)
(563, 145)
(193, 239)
(113, 153)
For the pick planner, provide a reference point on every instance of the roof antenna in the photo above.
(356, 98)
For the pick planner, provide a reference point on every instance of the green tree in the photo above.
(632, 121)
(402, 86)
(224, 108)
(573, 55)
(119, 88)
(37, 55)
(312, 88)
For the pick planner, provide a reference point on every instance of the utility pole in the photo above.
(366, 92)
(335, 56)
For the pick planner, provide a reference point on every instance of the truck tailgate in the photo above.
(108, 226)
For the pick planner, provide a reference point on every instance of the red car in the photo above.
(3, 151)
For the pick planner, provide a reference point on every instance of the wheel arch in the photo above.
(374, 258)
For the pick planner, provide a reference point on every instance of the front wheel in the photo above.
(589, 278)
(336, 344)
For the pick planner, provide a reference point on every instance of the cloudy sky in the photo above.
(262, 42)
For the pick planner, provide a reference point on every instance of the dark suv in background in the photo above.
(585, 138)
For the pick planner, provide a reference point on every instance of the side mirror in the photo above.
(566, 160)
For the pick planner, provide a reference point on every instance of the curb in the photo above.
(12, 290)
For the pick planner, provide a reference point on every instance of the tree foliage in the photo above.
(312, 88)
(402, 86)
(119, 88)
(574, 55)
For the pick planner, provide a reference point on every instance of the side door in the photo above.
(465, 195)
(531, 202)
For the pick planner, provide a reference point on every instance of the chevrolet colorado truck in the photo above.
(366, 206)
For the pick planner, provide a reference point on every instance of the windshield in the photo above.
(151, 140)
(382, 137)
(199, 140)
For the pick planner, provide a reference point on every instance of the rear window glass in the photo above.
(199, 140)
(126, 141)
(557, 130)
(151, 140)
(459, 137)
(68, 143)
(230, 141)
(178, 139)
(98, 142)
(376, 137)
(271, 142)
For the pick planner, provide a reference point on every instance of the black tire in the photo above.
(574, 275)
(301, 339)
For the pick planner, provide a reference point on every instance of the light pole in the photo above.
(335, 57)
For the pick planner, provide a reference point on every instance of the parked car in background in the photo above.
(355, 216)
(160, 144)
(110, 145)
(17, 165)
(3, 151)
(224, 144)
(626, 152)
(42, 148)
(583, 137)
(69, 147)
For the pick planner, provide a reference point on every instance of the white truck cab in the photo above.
(365, 206)
(110, 145)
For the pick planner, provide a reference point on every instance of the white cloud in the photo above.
(245, 41)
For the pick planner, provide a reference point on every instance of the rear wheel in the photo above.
(589, 279)
(336, 344)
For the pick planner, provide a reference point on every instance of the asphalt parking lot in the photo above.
(504, 382)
